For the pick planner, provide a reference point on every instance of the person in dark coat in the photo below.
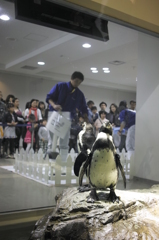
(10, 119)
(95, 114)
(103, 106)
(122, 106)
(75, 129)
(113, 116)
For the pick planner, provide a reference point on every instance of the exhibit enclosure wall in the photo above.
(26, 87)
(147, 131)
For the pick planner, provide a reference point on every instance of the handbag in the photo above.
(58, 124)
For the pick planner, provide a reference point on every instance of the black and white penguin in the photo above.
(102, 165)
(85, 140)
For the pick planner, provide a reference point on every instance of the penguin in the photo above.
(85, 140)
(102, 165)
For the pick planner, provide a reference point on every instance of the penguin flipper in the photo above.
(78, 163)
(84, 168)
(119, 165)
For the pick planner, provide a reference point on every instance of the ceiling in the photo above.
(24, 44)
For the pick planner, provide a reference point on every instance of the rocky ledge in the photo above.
(136, 216)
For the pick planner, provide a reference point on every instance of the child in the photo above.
(30, 130)
(10, 119)
(44, 137)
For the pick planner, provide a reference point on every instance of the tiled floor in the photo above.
(19, 193)
(17, 233)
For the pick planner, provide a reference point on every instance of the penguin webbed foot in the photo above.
(113, 197)
(84, 188)
(93, 197)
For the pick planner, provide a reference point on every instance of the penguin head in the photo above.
(84, 126)
(87, 127)
(106, 128)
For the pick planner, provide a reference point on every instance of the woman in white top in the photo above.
(34, 110)
(99, 122)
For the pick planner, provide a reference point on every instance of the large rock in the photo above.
(136, 216)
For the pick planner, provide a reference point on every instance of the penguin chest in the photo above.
(103, 170)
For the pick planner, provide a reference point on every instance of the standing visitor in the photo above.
(68, 98)
(90, 104)
(42, 108)
(31, 125)
(33, 110)
(127, 119)
(103, 107)
(37, 113)
(99, 122)
(114, 115)
(10, 119)
(20, 119)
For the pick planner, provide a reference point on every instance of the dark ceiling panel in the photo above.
(53, 15)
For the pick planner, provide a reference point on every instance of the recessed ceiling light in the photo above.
(4, 17)
(105, 69)
(95, 71)
(93, 68)
(136, 79)
(41, 63)
(86, 45)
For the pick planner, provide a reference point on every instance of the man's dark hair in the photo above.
(103, 103)
(78, 75)
(122, 105)
(14, 99)
(89, 103)
(132, 101)
(8, 97)
(31, 117)
(113, 104)
(93, 108)
(101, 112)
(40, 104)
(32, 101)
(10, 105)
(27, 105)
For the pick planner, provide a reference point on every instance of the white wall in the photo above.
(26, 88)
(147, 130)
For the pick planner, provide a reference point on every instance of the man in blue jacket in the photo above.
(66, 97)
(127, 119)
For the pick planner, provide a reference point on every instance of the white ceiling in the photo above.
(63, 53)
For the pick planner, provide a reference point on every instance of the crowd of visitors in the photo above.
(29, 126)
